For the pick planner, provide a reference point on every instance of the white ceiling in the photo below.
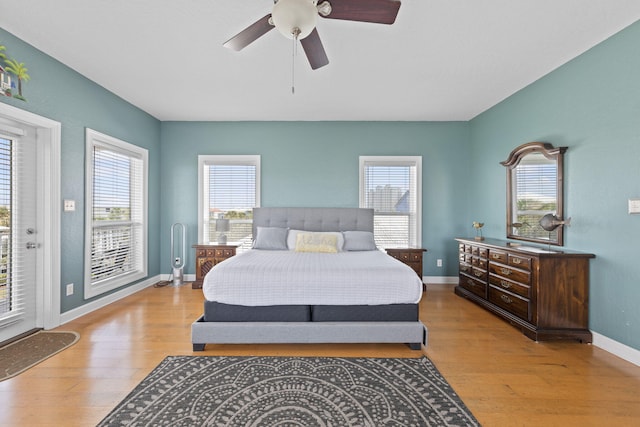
(441, 60)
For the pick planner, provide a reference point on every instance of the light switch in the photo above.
(634, 206)
(69, 205)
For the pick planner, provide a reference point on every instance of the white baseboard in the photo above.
(106, 300)
(440, 280)
(187, 277)
(618, 349)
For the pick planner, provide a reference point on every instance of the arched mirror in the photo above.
(534, 193)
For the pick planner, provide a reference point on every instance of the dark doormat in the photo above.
(21, 355)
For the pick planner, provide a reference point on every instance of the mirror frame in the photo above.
(516, 156)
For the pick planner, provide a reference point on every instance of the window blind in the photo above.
(230, 192)
(118, 213)
(389, 185)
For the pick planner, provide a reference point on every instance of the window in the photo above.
(116, 203)
(391, 185)
(229, 188)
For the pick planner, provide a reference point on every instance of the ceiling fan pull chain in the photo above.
(294, 51)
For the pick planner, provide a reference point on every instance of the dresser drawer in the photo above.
(498, 256)
(510, 302)
(481, 263)
(510, 273)
(519, 261)
(514, 287)
(473, 285)
(465, 268)
(479, 274)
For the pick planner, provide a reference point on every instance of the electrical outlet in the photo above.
(70, 289)
(439, 263)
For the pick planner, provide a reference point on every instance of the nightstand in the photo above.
(410, 256)
(208, 256)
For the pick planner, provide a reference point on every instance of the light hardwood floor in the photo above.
(503, 377)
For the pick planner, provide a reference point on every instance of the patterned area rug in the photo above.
(27, 352)
(292, 391)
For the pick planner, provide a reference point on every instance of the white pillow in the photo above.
(271, 238)
(293, 236)
(359, 241)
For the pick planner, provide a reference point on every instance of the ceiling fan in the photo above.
(296, 19)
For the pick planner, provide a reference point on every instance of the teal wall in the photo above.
(592, 106)
(59, 93)
(316, 164)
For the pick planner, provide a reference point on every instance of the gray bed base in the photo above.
(414, 334)
(312, 219)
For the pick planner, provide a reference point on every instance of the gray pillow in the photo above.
(271, 238)
(359, 241)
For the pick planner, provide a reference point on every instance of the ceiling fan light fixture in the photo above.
(295, 18)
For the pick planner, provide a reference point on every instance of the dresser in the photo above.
(206, 257)
(544, 292)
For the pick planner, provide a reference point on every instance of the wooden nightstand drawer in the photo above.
(207, 256)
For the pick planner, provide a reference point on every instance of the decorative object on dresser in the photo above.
(206, 257)
(543, 292)
(410, 256)
(478, 226)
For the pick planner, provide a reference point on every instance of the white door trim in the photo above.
(49, 199)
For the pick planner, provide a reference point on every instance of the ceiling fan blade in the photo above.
(314, 50)
(376, 11)
(250, 34)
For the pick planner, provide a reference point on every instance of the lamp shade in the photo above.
(222, 224)
(291, 16)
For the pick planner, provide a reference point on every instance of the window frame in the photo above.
(415, 161)
(97, 139)
(222, 159)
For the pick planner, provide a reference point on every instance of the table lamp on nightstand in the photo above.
(222, 226)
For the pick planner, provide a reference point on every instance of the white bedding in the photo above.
(263, 277)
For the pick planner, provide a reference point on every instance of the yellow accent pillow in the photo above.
(317, 242)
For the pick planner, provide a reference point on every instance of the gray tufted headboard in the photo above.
(314, 219)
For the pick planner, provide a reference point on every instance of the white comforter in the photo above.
(260, 277)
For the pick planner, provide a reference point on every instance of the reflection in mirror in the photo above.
(534, 192)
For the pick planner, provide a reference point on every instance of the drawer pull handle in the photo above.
(506, 299)
(505, 284)
(478, 273)
(496, 256)
(517, 261)
(505, 271)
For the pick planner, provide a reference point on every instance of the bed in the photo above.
(313, 294)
